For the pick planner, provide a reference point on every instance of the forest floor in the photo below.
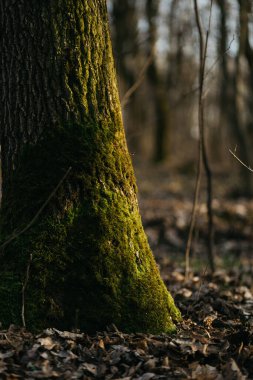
(215, 339)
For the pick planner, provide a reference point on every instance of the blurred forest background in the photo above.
(156, 52)
(156, 49)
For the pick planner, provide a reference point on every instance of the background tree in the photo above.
(158, 90)
(245, 65)
(174, 37)
(61, 129)
(125, 22)
(232, 104)
(127, 55)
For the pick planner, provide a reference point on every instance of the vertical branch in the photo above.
(202, 59)
(194, 212)
(206, 162)
(202, 153)
(24, 289)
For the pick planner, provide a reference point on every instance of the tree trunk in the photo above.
(125, 39)
(246, 52)
(85, 261)
(126, 52)
(230, 112)
(157, 88)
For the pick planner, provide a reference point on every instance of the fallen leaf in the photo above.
(47, 343)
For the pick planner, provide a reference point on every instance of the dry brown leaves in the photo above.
(215, 341)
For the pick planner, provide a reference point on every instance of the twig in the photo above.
(202, 279)
(219, 57)
(17, 234)
(202, 155)
(241, 162)
(199, 165)
(205, 157)
(138, 82)
(193, 214)
(9, 341)
(209, 71)
(23, 290)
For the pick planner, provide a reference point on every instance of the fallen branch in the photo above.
(15, 235)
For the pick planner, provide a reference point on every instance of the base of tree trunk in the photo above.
(85, 262)
(72, 287)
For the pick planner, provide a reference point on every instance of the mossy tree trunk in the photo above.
(89, 260)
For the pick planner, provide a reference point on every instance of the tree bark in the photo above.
(89, 260)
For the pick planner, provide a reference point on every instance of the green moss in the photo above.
(90, 254)
(91, 263)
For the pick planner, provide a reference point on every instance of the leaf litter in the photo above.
(213, 342)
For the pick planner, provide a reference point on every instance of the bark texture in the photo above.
(90, 263)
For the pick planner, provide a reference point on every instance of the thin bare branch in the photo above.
(241, 162)
(205, 158)
(193, 217)
(208, 72)
(202, 154)
(137, 83)
(24, 289)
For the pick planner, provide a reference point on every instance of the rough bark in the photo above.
(90, 263)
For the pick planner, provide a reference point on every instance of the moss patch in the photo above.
(91, 262)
